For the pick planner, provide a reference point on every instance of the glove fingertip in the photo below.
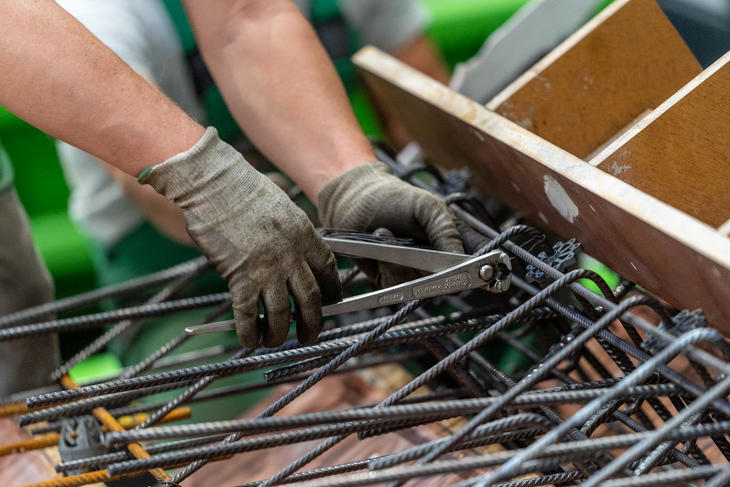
(331, 289)
(327, 278)
(309, 323)
(307, 336)
(248, 327)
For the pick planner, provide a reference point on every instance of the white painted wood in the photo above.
(725, 229)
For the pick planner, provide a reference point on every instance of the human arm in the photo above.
(281, 88)
(162, 213)
(284, 92)
(399, 28)
(57, 76)
(143, 36)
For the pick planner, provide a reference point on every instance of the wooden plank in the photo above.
(680, 153)
(626, 60)
(23, 468)
(668, 252)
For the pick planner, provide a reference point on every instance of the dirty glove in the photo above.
(370, 197)
(260, 241)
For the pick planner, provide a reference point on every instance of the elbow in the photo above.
(248, 22)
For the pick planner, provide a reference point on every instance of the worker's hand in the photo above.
(370, 197)
(260, 241)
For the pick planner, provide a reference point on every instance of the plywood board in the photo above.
(22, 468)
(626, 60)
(680, 152)
(668, 252)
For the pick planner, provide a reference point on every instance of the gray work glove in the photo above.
(370, 197)
(260, 241)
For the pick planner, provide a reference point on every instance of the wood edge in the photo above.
(644, 122)
(620, 133)
(703, 238)
(724, 229)
(511, 89)
(562, 48)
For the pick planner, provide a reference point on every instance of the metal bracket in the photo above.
(80, 438)
(562, 258)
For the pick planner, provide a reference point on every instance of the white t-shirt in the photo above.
(386, 24)
(142, 34)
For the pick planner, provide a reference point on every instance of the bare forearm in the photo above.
(161, 212)
(57, 76)
(281, 87)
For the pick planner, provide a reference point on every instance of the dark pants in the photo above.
(24, 282)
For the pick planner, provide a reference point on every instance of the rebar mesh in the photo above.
(548, 384)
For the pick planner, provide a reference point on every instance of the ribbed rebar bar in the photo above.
(84, 406)
(450, 408)
(123, 326)
(102, 461)
(225, 449)
(235, 389)
(409, 333)
(664, 336)
(112, 291)
(671, 477)
(313, 379)
(584, 413)
(99, 319)
(186, 395)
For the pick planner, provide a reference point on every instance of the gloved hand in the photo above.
(260, 241)
(369, 197)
